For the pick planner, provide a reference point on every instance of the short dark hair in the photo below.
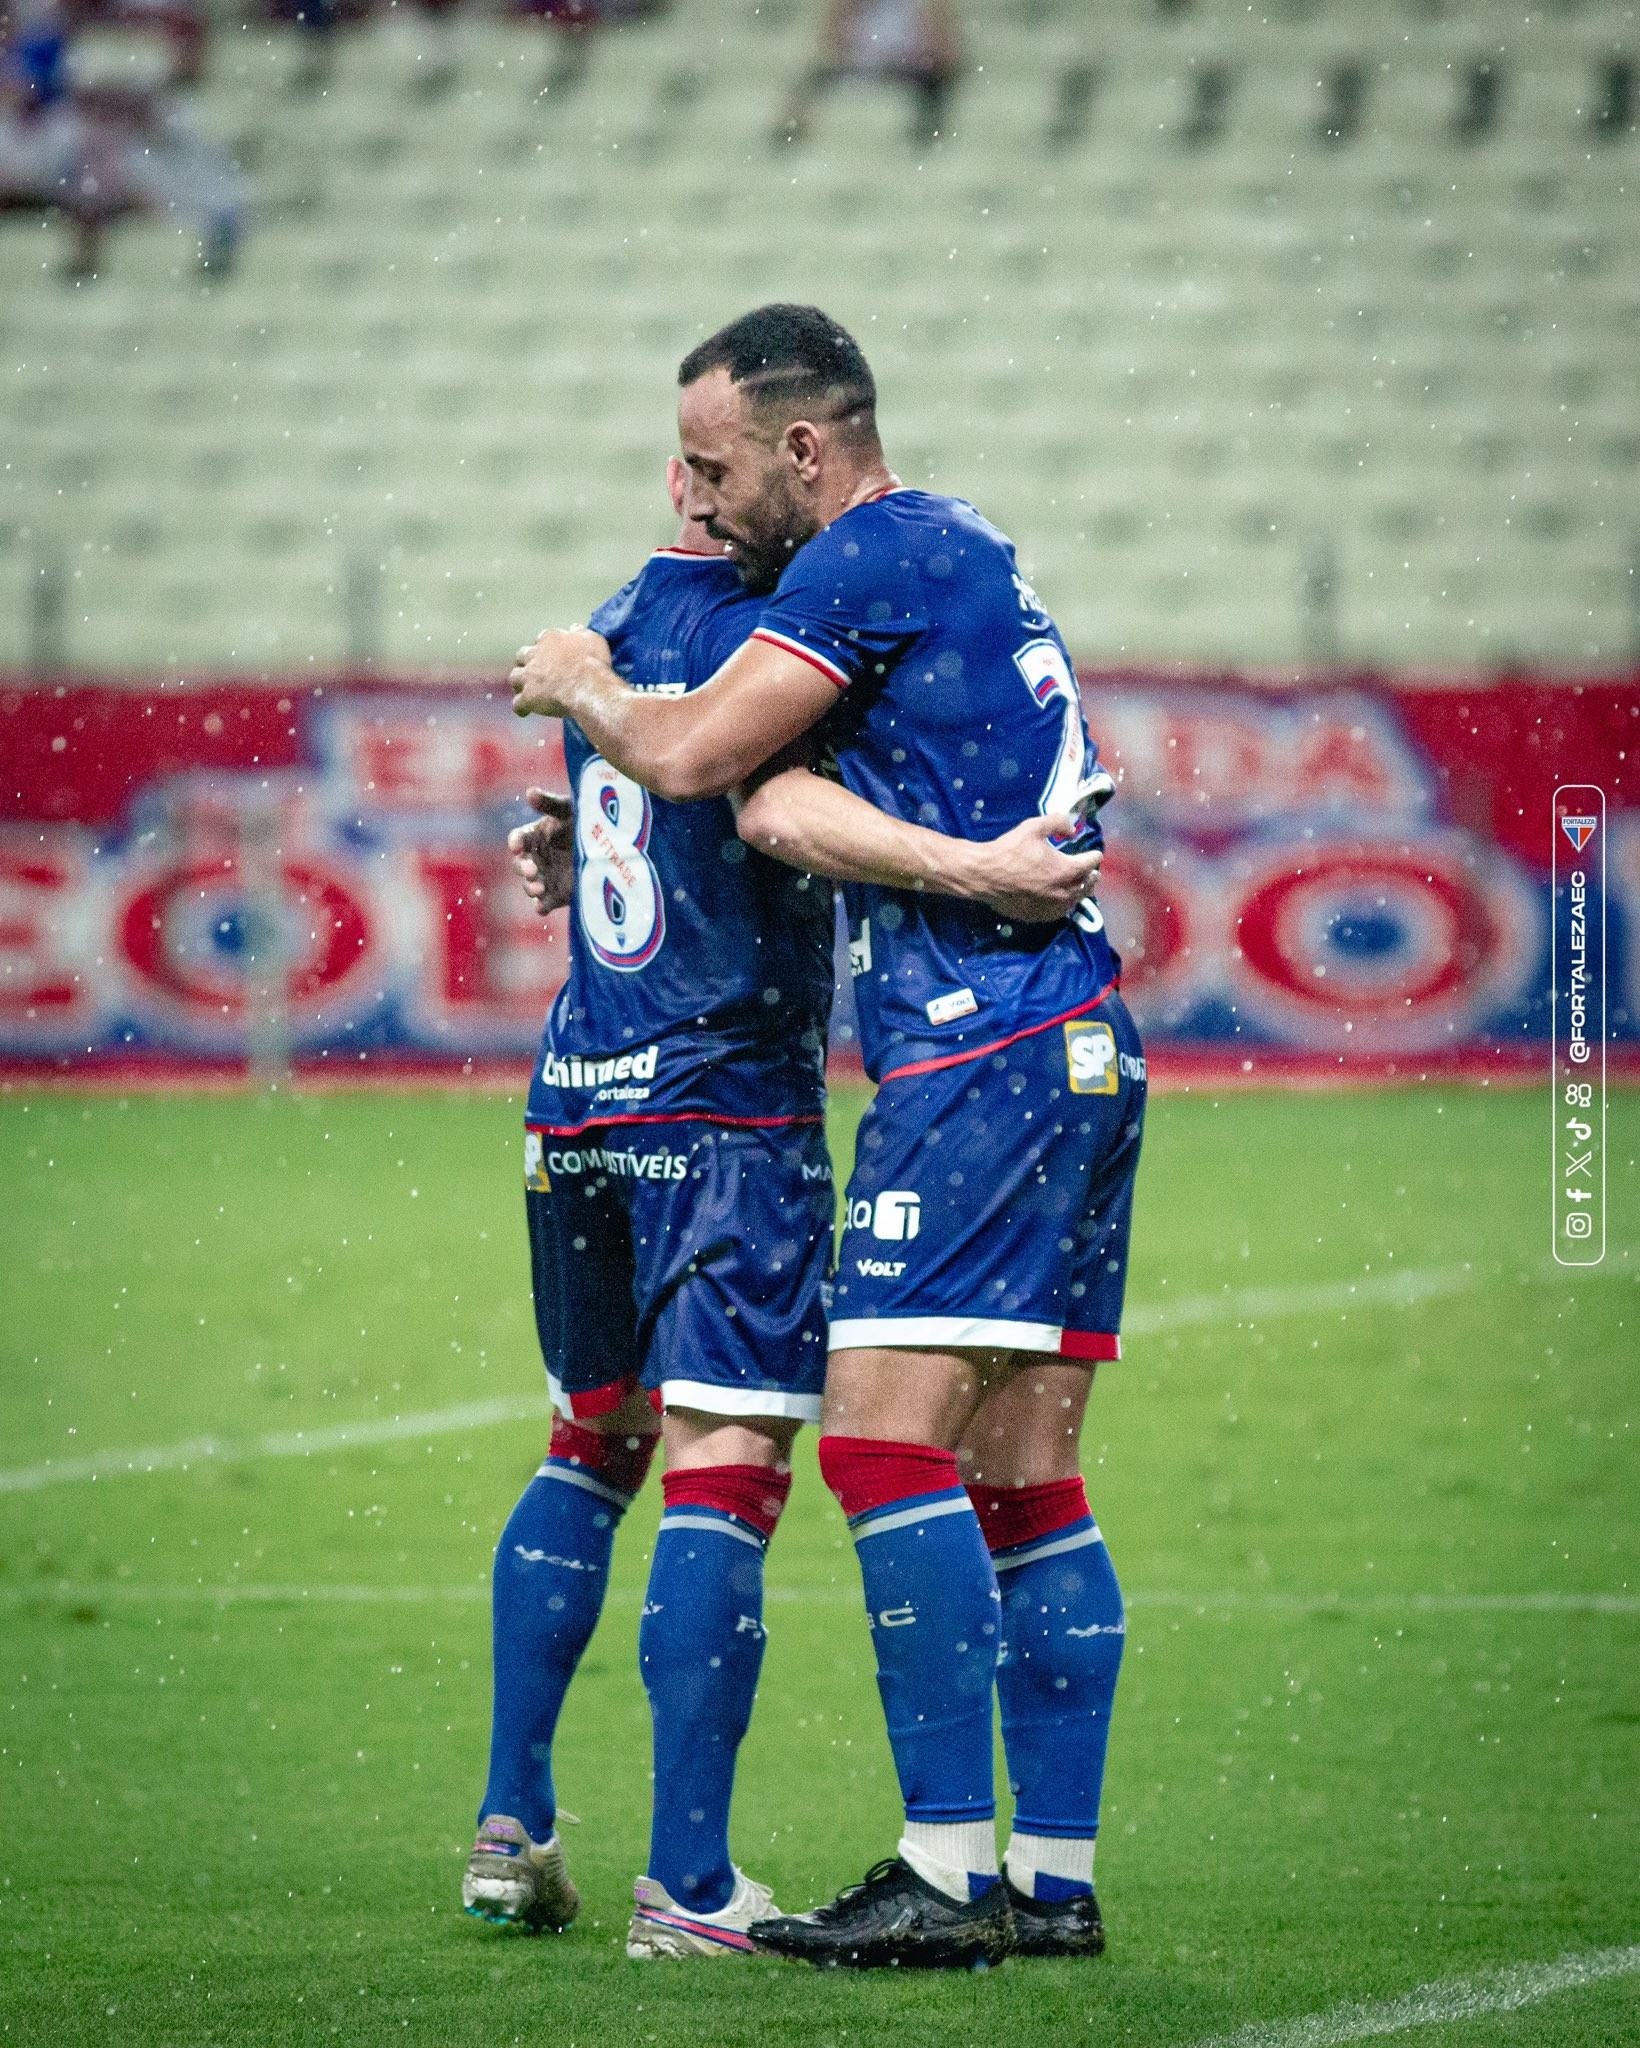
(793, 357)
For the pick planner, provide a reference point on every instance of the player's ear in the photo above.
(804, 446)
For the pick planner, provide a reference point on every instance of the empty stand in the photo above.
(1186, 295)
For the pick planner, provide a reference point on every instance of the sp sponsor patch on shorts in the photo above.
(1090, 1056)
(535, 1165)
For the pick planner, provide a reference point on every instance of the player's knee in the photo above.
(619, 1459)
(865, 1473)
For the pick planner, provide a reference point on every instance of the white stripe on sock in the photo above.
(572, 1475)
(944, 1853)
(1033, 1856)
(725, 1528)
(880, 1524)
(1048, 1549)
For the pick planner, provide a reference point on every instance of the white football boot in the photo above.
(661, 1927)
(516, 1882)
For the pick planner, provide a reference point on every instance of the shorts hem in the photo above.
(958, 1333)
(681, 1116)
(582, 1404)
(715, 1400)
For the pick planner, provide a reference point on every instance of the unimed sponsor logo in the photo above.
(573, 1072)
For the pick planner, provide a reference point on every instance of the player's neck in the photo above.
(867, 483)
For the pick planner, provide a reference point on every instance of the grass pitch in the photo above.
(1379, 1724)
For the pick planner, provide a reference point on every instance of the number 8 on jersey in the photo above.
(617, 891)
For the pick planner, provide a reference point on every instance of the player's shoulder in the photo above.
(672, 578)
(907, 529)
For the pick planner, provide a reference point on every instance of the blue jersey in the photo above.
(958, 709)
(700, 977)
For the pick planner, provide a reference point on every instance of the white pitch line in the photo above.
(292, 1443)
(1199, 1604)
(1143, 1319)
(1432, 2005)
(1255, 1304)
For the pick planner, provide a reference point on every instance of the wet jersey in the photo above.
(700, 976)
(958, 709)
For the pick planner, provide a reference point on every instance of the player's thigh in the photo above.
(890, 1395)
(1027, 1430)
(731, 1247)
(581, 1276)
(695, 1440)
(1098, 1278)
(967, 1209)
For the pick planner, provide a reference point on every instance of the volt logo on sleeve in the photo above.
(1090, 1055)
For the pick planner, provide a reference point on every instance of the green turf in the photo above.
(242, 1820)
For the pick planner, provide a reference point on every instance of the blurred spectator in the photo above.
(318, 21)
(92, 130)
(915, 42)
(576, 22)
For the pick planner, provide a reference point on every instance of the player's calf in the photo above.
(700, 1649)
(1063, 1634)
(551, 1566)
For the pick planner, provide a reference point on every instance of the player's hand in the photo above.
(544, 853)
(1025, 877)
(540, 674)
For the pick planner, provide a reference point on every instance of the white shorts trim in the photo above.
(942, 1333)
(713, 1400)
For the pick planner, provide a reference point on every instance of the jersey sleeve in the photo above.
(724, 631)
(611, 620)
(847, 605)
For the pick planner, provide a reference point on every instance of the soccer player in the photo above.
(680, 1212)
(981, 1270)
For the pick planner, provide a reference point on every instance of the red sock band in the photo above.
(751, 1493)
(619, 1461)
(866, 1474)
(1017, 1514)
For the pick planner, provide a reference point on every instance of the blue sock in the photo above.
(932, 1601)
(1063, 1633)
(700, 1649)
(547, 1590)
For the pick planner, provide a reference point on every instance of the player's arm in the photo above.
(684, 748)
(810, 822)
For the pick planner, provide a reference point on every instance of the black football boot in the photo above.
(894, 1920)
(1056, 1927)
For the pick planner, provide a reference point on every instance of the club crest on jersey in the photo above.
(1090, 1057)
(1579, 831)
(535, 1165)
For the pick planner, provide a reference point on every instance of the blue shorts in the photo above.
(686, 1258)
(991, 1198)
